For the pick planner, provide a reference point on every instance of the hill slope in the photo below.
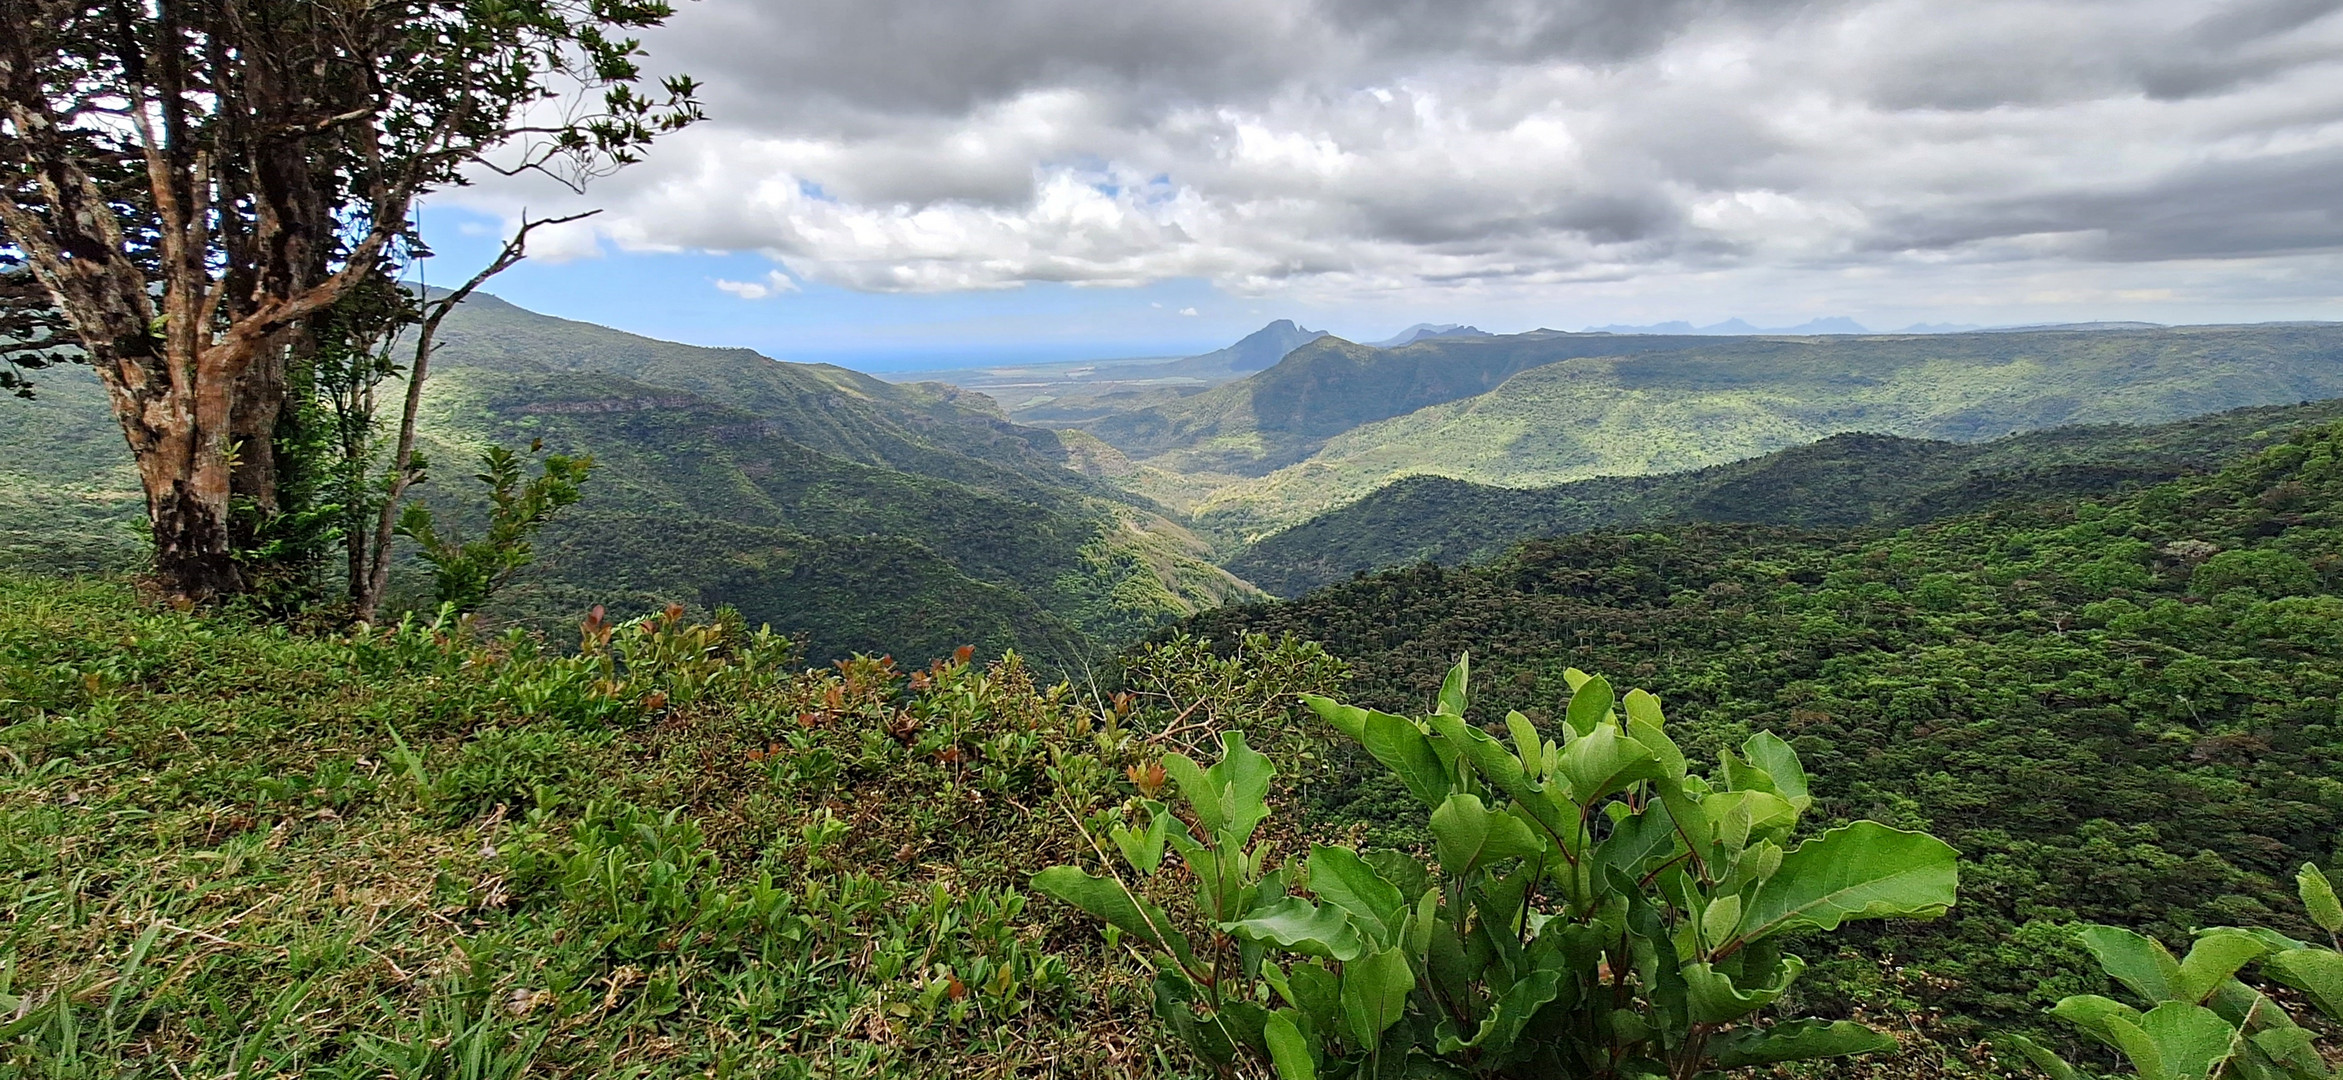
(867, 515)
(1662, 411)
(1855, 479)
(2124, 711)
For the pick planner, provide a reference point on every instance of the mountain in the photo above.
(1836, 324)
(1844, 480)
(1255, 351)
(2118, 710)
(866, 515)
(1075, 391)
(1420, 331)
(1674, 407)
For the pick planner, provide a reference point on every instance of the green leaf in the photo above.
(1796, 1040)
(2143, 965)
(1343, 879)
(2095, 1015)
(1197, 789)
(1719, 921)
(1348, 719)
(1469, 835)
(1304, 927)
(2051, 1064)
(1374, 994)
(1241, 777)
(1590, 705)
(1317, 992)
(1500, 766)
(1107, 899)
(1452, 688)
(1143, 848)
(2318, 895)
(1639, 839)
(2175, 1041)
(1402, 747)
(1287, 1049)
(2212, 960)
(1602, 761)
(1713, 998)
(1503, 1025)
(1865, 870)
(1767, 751)
(2316, 972)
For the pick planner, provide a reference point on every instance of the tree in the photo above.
(196, 182)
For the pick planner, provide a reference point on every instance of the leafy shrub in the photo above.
(1595, 909)
(2202, 1021)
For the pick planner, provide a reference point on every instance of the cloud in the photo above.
(774, 284)
(1358, 148)
(1188, 311)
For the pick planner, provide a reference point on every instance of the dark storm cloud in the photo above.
(949, 144)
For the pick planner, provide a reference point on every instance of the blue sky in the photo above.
(674, 297)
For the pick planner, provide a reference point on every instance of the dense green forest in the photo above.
(867, 515)
(2122, 709)
(1854, 479)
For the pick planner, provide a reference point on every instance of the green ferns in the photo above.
(1596, 909)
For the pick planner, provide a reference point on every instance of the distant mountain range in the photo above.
(1420, 331)
(1844, 480)
(1737, 327)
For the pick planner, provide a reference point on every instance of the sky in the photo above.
(896, 184)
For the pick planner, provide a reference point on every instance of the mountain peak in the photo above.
(1420, 331)
(1266, 346)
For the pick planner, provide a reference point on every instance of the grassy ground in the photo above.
(227, 850)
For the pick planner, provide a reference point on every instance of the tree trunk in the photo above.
(184, 467)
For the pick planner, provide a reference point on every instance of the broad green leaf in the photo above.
(1602, 762)
(1343, 879)
(1198, 790)
(1241, 779)
(1374, 994)
(1527, 744)
(1590, 705)
(1719, 921)
(1639, 839)
(1452, 688)
(1304, 927)
(2051, 1064)
(1713, 998)
(1317, 992)
(2316, 972)
(1469, 835)
(1402, 747)
(1643, 708)
(1767, 751)
(1399, 868)
(1575, 678)
(1108, 900)
(1500, 766)
(2293, 1048)
(1865, 870)
(1348, 719)
(1208, 1039)
(2176, 1041)
(1512, 1013)
(1143, 848)
(2094, 1015)
(1796, 1040)
(2212, 960)
(2143, 965)
(1288, 1052)
(2318, 895)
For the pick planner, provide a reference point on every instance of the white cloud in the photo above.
(1189, 311)
(774, 284)
(1347, 150)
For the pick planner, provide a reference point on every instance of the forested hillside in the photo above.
(1853, 479)
(1580, 415)
(868, 515)
(2123, 710)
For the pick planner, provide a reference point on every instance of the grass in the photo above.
(230, 850)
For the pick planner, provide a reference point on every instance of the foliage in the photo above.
(2049, 688)
(2202, 1019)
(231, 850)
(1844, 480)
(466, 573)
(1595, 908)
